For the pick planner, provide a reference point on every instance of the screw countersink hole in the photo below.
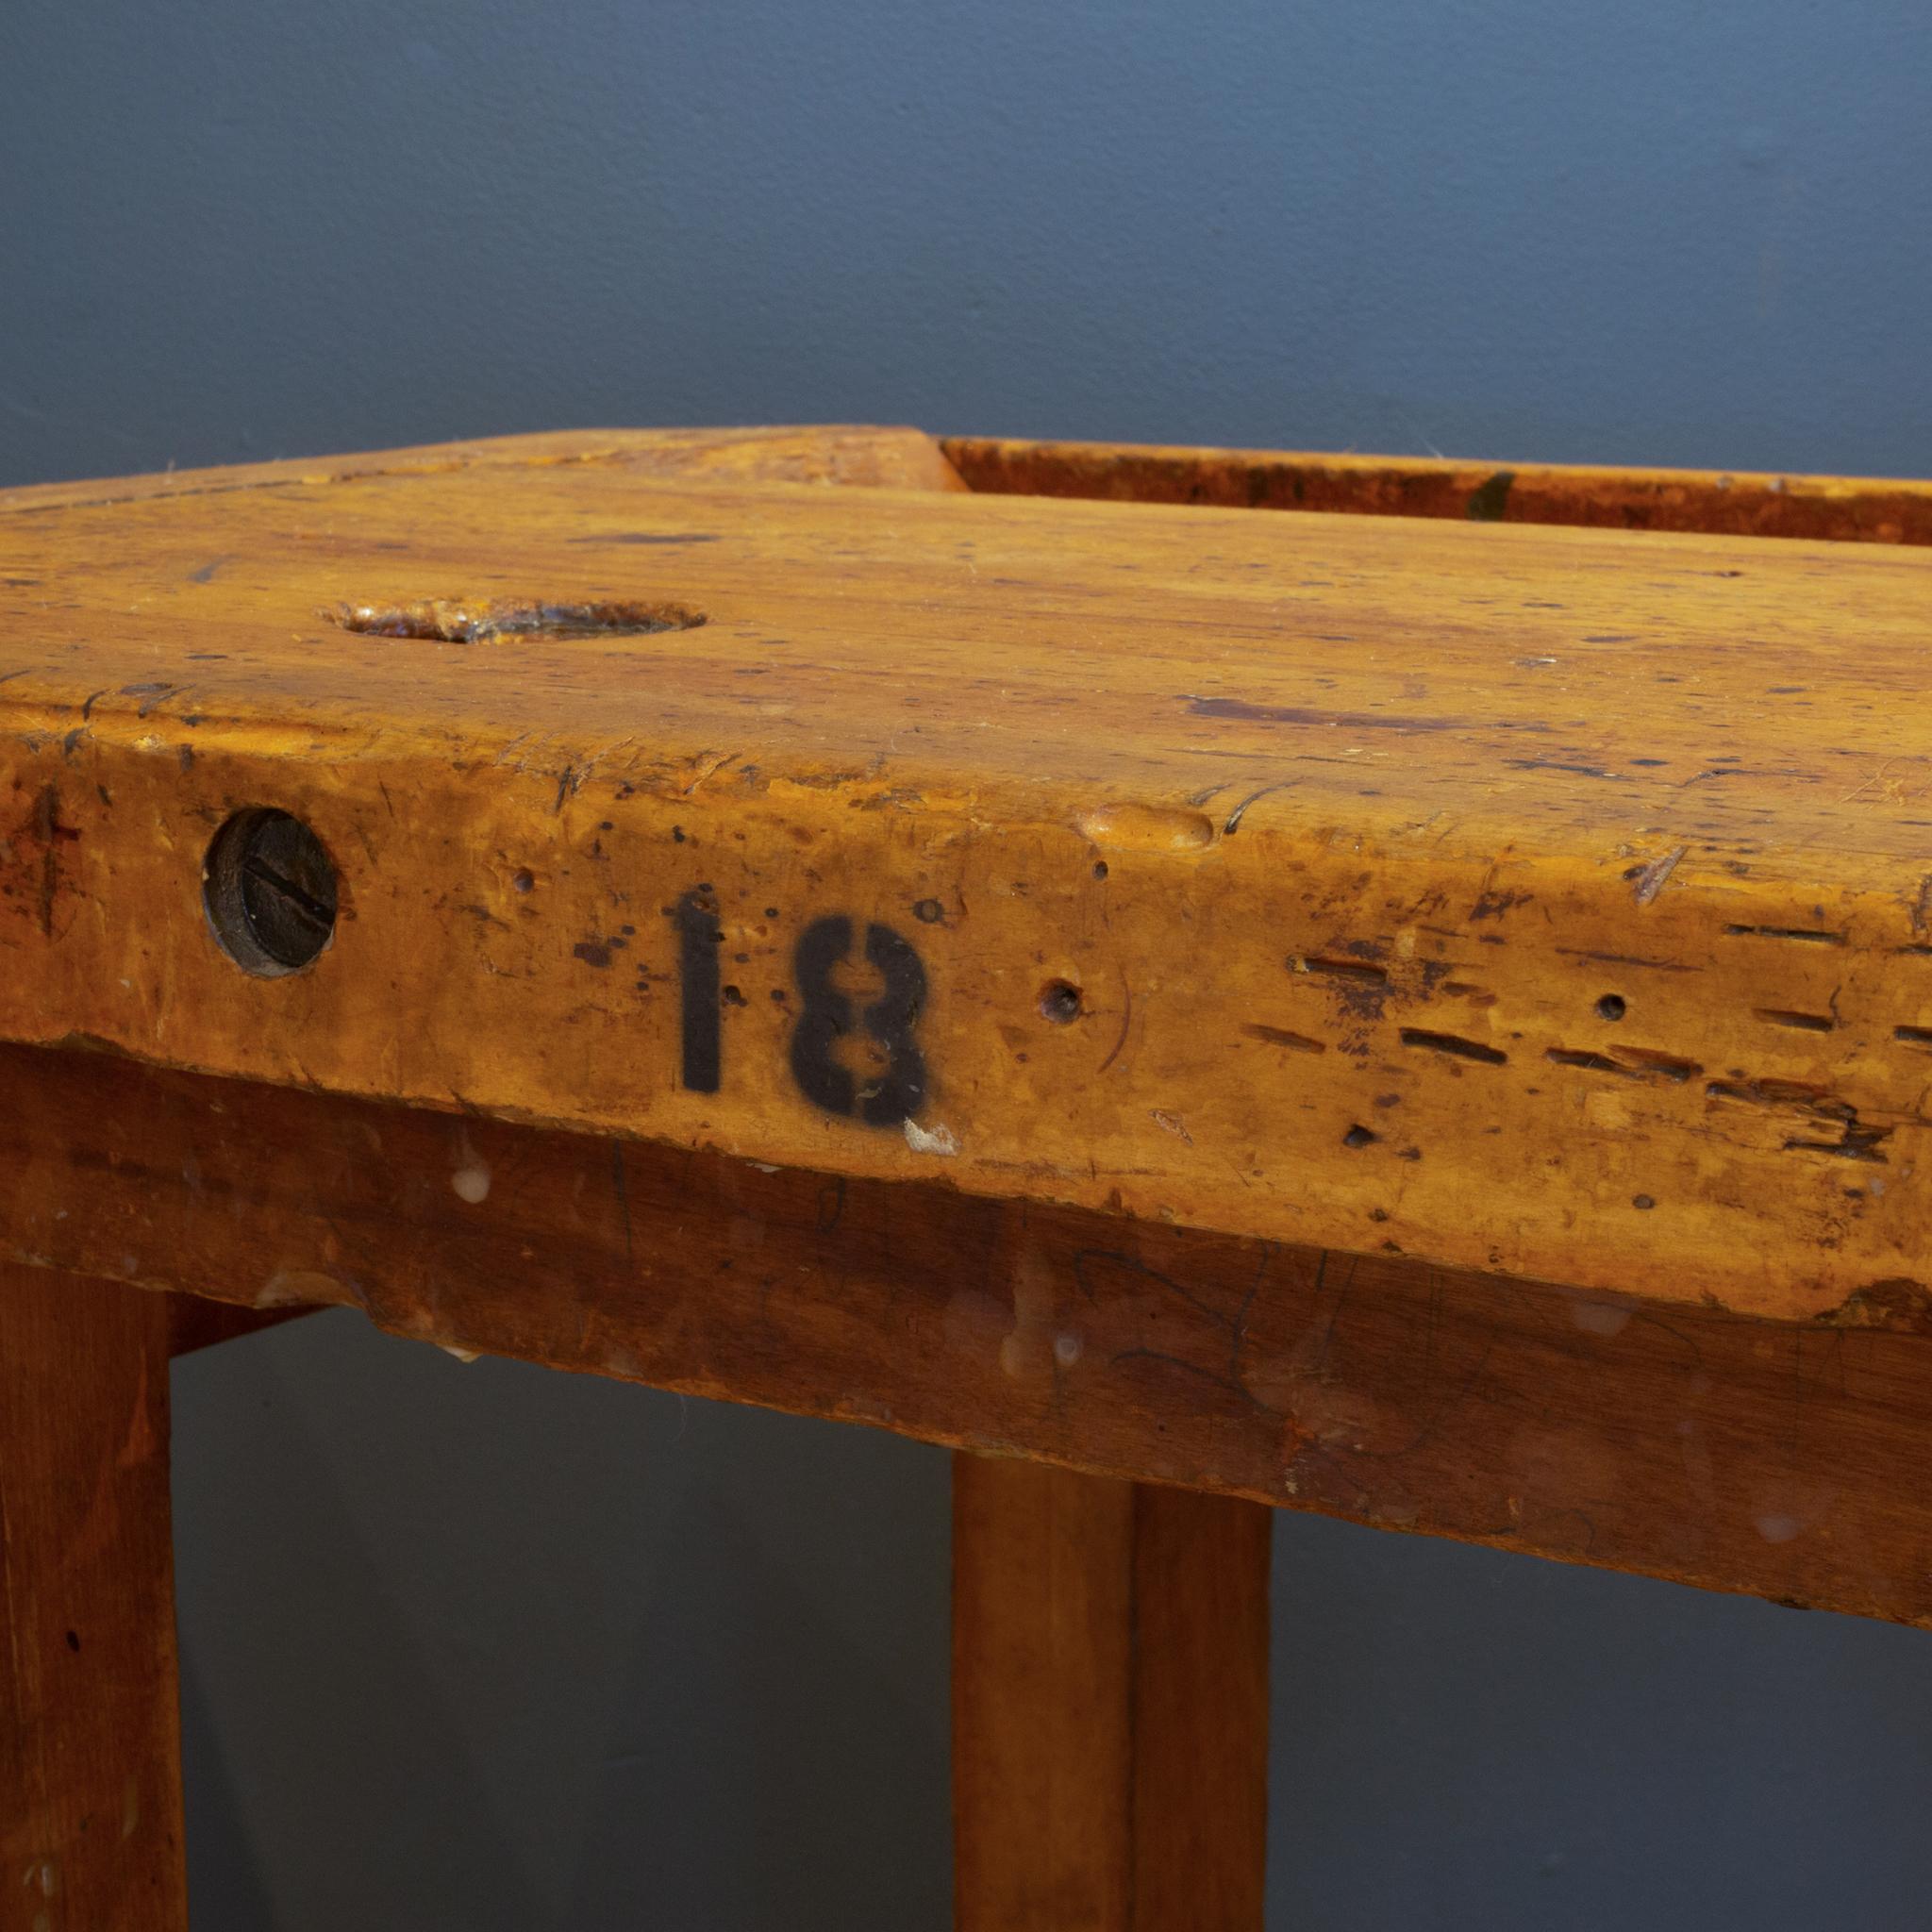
(269, 889)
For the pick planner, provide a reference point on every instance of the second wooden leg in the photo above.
(1110, 1704)
(90, 1728)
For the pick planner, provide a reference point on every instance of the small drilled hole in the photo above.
(523, 880)
(1610, 1007)
(1100, 868)
(269, 890)
(1059, 1001)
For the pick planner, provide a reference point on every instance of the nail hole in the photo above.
(1807, 935)
(1457, 1048)
(1341, 969)
(1059, 1001)
(270, 892)
(1100, 868)
(523, 880)
(1359, 1137)
(1610, 1007)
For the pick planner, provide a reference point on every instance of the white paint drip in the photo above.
(1034, 1336)
(470, 1178)
(935, 1140)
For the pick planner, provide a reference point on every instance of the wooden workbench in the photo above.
(1417, 1008)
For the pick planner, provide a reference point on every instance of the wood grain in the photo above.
(1552, 902)
(1042, 1701)
(1843, 509)
(1110, 1704)
(1200, 1691)
(1780, 1459)
(865, 457)
(90, 1780)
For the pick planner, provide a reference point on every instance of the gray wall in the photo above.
(481, 1647)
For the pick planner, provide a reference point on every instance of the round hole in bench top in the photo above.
(1059, 1001)
(470, 620)
(269, 889)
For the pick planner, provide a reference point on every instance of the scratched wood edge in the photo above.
(861, 454)
(1646, 1255)
(1737, 503)
(1779, 1459)
(1772, 1247)
(1712, 502)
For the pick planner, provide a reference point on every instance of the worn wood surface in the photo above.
(1548, 901)
(1110, 1704)
(90, 1780)
(1854, 509)
(1783, 1461)
(858, 456)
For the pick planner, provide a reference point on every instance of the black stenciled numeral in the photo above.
(698, 933)
(897, 1091)
(890, 1019)
(826, 1017)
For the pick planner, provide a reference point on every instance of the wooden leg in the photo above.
(90, 1729)
(1110, 1704)
(195, 1322)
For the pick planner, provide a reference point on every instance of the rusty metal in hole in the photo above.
(269, 890)
(473, 620)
